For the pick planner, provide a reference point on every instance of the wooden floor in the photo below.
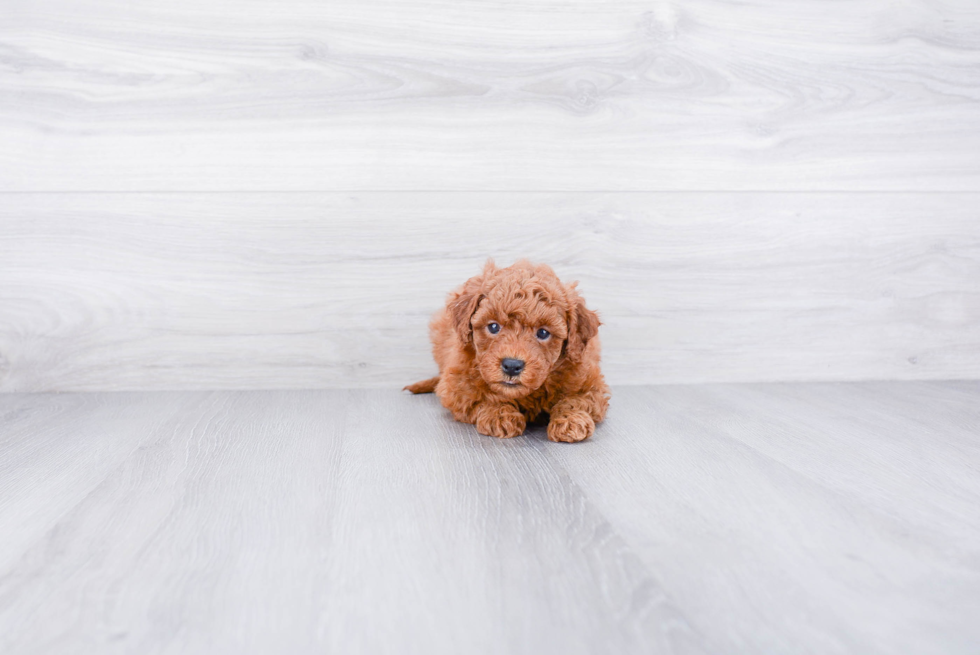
(830, 518)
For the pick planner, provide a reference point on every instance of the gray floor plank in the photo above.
(809, 508)
(209, 533)
(717, 518)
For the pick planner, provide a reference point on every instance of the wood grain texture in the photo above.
(824, 518)
(182, 95)
(142, 291)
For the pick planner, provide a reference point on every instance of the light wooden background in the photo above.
(204, 193)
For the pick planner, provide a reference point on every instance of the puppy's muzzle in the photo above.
(511, 366)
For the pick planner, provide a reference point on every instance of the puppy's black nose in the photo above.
(512, 366)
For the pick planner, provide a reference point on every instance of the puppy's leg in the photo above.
(469, 404)
(459, 395)
(498, 419)
(573, 418)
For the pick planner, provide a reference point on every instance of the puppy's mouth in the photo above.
(511, 388)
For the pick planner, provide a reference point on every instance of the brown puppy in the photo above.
(513, 344)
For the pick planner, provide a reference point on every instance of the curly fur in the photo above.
(561, 376)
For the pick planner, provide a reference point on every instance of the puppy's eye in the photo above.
(542, 334)
(493, 328)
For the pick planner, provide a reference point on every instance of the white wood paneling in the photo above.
(279, 194)
(814, 518)
(320, 290)
(179, 95)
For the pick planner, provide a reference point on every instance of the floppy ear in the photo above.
(465, 302)
(461, 310)
(583, 325)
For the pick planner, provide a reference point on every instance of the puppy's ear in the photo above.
(461, 309)
(463, 303)
(583, 325)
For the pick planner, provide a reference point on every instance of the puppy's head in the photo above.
(522, 322)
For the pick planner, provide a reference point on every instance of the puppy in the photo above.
(514, 345)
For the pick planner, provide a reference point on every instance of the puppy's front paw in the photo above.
(503, 421)
(571, 427)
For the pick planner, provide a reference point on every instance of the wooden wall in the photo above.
(205, 193)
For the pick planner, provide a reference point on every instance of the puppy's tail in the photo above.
(425, 386)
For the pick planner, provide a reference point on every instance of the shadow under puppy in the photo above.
(514, 344)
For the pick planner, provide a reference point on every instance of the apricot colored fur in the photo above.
(561, 376)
